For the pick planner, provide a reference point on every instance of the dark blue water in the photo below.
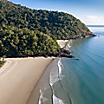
(84, 78)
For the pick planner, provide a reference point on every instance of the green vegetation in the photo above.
(59, 24)
(29, 32)
(1, 62)
(24, 42)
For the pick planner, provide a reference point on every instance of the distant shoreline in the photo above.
(95, 25)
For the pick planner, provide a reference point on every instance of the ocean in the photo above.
(79, 80)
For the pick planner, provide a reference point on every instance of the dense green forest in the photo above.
(59, 24)
(30, 32)
(25, 42)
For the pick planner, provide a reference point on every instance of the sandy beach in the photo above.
(18, 77)
(42, 85)
(62, 43)
(22, 78)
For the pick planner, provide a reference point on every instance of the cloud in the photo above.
(93, 20)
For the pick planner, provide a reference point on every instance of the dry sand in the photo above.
(18, 78)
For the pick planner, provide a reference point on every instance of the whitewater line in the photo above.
(52, 92)
(59, 73)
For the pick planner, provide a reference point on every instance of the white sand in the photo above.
(62, 43)
(18, 77)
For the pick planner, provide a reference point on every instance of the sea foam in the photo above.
(56, 100)
(55, 76)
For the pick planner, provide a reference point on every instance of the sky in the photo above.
(91, 12)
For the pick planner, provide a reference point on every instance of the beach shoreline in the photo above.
(44, 83)
(18, 78)
(13, 68)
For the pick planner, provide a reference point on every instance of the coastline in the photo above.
(43, 84)
(63, 43)
(50, 77)
(66, 44)
(25, 89)
(18, 78)
(45, 92)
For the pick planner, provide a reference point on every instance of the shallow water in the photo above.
(79, 81)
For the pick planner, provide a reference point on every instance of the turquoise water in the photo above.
(78, 81)
(84, 78)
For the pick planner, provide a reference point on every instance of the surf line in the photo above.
(54, 98)
(60, 66)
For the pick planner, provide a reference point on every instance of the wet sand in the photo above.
(43, 85)
(18, 78)
(22, 78)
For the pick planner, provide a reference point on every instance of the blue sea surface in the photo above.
(78, 80)
(84, 78)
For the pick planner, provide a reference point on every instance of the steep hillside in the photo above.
(24, 42)
(29, 32)
(59, 24)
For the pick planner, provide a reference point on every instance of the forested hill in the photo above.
(18, 38)
(29, 32)
(59, 24)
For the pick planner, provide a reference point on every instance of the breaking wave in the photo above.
(55, 76)
(52, 95)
